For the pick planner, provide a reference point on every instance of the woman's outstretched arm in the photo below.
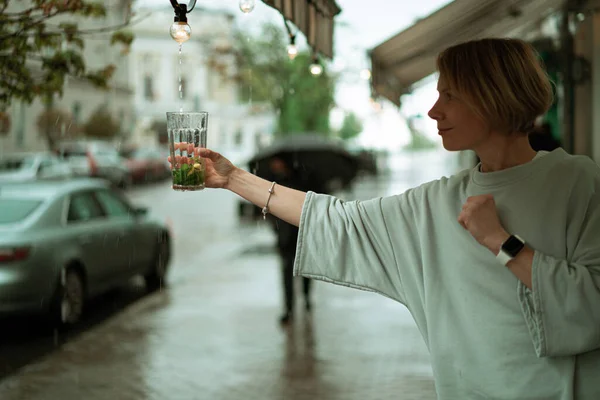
(285, 203)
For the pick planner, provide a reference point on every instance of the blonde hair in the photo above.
(502, 80)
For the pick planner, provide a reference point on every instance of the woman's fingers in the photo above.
(211, 155)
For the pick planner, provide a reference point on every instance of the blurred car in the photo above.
(146, 164)
(96, 158)
(22, 167)
(64, 242)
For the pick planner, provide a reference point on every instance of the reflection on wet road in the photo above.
(23, 339)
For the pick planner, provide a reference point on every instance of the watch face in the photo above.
(512, 246)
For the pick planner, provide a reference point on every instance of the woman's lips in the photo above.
(442, 131)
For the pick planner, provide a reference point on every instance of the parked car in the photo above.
(20, 167)
(147, 164)
(63, 242)
(96, 158)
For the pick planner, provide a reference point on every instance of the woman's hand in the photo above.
(217, 169)
(479, 216)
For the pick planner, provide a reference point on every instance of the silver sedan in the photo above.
(63, 242)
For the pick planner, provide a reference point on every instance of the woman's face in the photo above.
(458, 125)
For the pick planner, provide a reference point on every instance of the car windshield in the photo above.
(16, 209)
(15, 164)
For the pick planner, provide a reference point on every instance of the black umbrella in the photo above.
(319, 163)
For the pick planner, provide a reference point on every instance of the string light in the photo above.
(180, 32)
(316, 68)
(292, 50)
(247, 6)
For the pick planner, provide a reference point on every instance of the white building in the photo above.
(207, 72)
(80, 99)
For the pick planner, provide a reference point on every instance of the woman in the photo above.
(501, 318)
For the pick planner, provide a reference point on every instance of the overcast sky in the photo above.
(362, 25)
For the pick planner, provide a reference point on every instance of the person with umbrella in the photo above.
(303, 161)
(287, 235)
(498, 264)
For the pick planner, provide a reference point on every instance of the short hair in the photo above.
(502, 80)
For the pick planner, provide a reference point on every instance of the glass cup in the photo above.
(187, 134)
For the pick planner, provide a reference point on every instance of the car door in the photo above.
(121, 218)
(87, 226)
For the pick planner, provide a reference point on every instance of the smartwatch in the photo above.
(510, 248)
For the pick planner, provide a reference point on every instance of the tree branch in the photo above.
(104, 29)
(28, 27)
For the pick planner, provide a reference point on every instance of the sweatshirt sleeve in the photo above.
(563, 308)
(352, 243)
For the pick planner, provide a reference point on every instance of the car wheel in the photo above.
(155, 278)
(70, 297)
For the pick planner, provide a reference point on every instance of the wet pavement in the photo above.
(213, 334)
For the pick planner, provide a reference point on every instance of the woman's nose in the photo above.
(435, 113)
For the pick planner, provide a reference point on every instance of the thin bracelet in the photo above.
(265, 209)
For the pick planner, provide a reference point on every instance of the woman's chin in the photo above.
(448, 145)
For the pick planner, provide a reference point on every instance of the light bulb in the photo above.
(365, 74)
(247, 6)
(316, 69)
(292, 51)
(180, 32)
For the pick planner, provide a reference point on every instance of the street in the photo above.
(213, 332)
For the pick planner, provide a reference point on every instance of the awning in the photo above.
(410, 56)
(314, 18)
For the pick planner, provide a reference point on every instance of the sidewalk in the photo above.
(214, 335)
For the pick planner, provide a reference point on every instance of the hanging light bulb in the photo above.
(180, 32)
(292, 50)
(247, 6)
(316, 68)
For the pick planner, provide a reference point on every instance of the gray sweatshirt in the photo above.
(489, 335)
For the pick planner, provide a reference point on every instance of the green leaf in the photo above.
(96, 10)
(124, 37)
(35, 36)
(70, 30)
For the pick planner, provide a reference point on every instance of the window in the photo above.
(45, 166)
(148, 88)
(257, 140)
(112, 205)
(83, 207)
(76, 111)
(17, 209)
(239, 138)
(16, 164)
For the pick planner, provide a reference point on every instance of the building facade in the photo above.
(80, 99)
